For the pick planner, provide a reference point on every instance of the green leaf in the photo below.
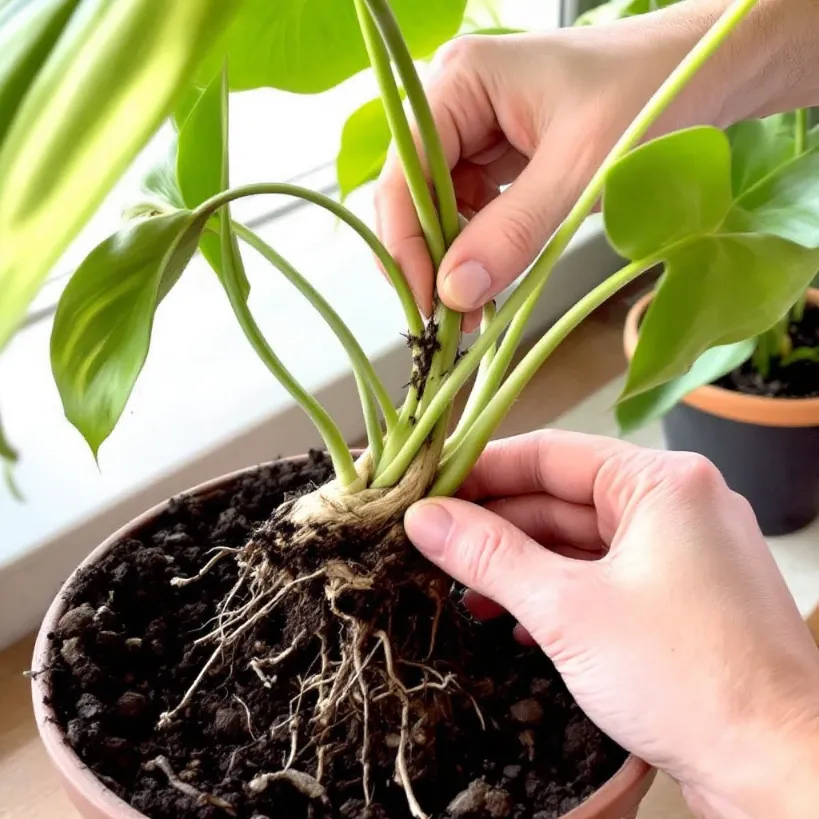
(667, 190)
(734, 267)
(758, 148)
(308, 46)
(29, 30)
(112, 78)
(201, 164)
(784, 204)
(365, 141)
(716, 290)
(651, 405)
(102, 327)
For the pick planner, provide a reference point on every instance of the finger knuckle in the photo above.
(459, 54)
(489, 552)
(521, 230)
(693, 473)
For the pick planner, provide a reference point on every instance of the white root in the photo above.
(365, 740)
(161, 763)
(247, 715)
(401, 762)
(181, 582)
(401, 770)
(302, 782)
(166, 717)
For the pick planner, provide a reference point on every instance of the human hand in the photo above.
(658, 601)
(543, 110)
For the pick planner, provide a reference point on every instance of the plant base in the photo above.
(485, 727)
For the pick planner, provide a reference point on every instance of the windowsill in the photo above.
(204, 404)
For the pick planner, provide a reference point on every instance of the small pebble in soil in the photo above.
(480, 799)
(529, 712)
(75, 621)
(131, 705)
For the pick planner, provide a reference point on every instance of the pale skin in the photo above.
(640, 573)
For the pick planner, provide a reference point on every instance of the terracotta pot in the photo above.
(766, 448)
(619, 798)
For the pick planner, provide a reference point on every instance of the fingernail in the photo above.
(467, 286)
(427, 524)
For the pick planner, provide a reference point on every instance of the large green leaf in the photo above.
(102, 327)
(308, 46)
(672, 188)
(635, 412)
(784, 203)
(114, 75)
(758, 148)
(29, 30)
(733, 266)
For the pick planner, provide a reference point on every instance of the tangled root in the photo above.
(344, 618)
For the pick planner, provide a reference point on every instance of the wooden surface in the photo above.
(591, 358)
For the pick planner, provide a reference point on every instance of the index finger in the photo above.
(556, 462)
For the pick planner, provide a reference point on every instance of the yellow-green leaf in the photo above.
(114, 75)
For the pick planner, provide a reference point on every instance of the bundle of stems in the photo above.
(418, 429)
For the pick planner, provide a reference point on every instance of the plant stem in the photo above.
(447, 322)
(401, 134)
(463, 458)
(333, 439)
(482, 391)
(433, 148)
(372, 423)
(534, 281)
(366, 376)
(801, 131)
(415, 323)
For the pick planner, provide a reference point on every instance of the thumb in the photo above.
(505, 237)
(489, 555)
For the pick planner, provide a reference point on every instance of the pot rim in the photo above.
(615, 797)
(729, 404)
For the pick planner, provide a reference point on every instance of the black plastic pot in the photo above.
(766, 448)
(775, 468)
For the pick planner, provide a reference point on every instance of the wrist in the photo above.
(769, 65)
(765, 767)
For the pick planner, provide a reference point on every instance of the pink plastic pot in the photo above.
(619, 798)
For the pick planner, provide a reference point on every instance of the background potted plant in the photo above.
(751, 406)
(269, 644)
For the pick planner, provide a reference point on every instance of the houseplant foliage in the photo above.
(304, 560)
(746, 171)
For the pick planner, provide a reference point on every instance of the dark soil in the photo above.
(122, 655)
(797, 380)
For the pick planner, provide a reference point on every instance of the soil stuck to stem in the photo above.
(481, 727)
(797, 380)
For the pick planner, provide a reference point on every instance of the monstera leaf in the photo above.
(308, 46)
(734, 262)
